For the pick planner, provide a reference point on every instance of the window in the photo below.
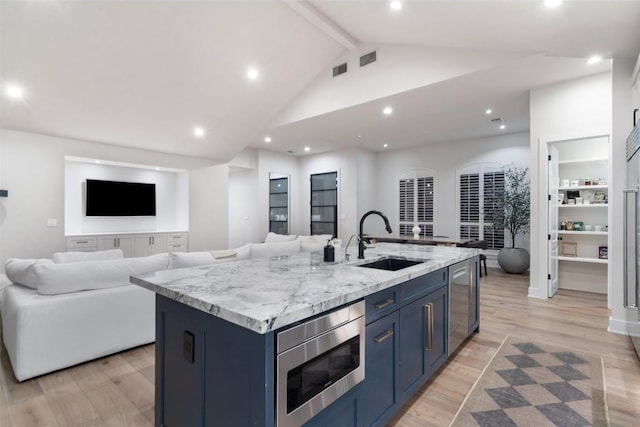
(415, 202)
(479, 186)
(324, 203)
(279, 205)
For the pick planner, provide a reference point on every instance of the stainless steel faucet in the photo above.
(361, 246)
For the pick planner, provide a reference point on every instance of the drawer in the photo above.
(415, 288)
(176, 247)
(177, 238)
(382, 303)
(82, 243)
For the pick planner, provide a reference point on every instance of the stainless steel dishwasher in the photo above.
(460, 296)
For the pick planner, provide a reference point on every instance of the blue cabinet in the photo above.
(423, 343)
(344, 412)
(379, 397)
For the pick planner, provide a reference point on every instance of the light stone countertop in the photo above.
(266, 294)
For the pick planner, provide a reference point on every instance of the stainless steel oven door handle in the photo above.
(633, 227)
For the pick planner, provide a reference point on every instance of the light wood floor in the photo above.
(118, 390)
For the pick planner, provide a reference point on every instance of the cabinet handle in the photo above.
(383, 337)
(384, 304)
(625, 254)
(429, 326)
(80, 242)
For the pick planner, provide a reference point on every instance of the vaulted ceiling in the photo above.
(145, 73)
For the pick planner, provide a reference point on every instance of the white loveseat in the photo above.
(80, 306)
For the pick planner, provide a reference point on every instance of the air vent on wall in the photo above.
(4, 193)
(339, 69)
(368, 58)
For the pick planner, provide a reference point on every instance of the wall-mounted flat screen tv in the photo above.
(115, 198)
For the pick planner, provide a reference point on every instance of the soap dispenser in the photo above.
(329, 252)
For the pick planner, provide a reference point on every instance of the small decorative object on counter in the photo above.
(603, 252)
(416, 231)
(329, 252)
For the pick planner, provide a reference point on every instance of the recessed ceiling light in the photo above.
(252, 73)
(307, 149)
(198, 132)
(395, 5)
(157, 168)
(594, 59)
(97, 162)
(386, 145)
(387, 111)
(14, 91)
(503, 126)
(552, 3)
(267, 139)
(489, 111)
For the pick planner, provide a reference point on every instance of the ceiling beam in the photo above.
(322, 22)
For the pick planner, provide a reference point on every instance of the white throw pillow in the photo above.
(276, 238)
(69, 277)
(61, 257)
(317, 238)
(243, 252)
(260, 250)
(312, 247)
(22, 272)
(190, 259)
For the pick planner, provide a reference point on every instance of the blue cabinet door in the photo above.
(341, 413)
(437, 336)
(423, 343)
(379, 396)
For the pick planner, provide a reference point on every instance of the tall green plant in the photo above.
(513, 202)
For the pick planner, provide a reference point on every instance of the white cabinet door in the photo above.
(553, 220)
(124, 243)
(158, 243)
(149, 244)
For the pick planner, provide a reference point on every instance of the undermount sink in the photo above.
(391, 264)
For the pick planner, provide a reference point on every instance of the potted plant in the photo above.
(513, 214)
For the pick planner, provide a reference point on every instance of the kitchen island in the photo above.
(218, 326)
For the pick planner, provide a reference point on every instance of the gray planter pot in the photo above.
(513, 260)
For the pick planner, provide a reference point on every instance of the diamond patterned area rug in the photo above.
(532, 384)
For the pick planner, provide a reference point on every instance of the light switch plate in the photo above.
(52, 222)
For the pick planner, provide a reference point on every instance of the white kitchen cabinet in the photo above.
(177, 242)
(149, 244)
(123, 242)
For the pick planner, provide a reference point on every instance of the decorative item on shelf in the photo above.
(602, 181)
(603, 252)
(597, 228)
(571, 201)
(416, 231)
(599, 197)
(588, 227)
(588, 181)
(574, 183)
(564, 183)
(569, 225)
(579, 200)
(563, 225)
(578, 226)
(569, 249)
(560, 198)
(513, 214)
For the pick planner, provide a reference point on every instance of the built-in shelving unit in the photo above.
(583, 173)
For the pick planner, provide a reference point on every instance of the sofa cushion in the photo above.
(260, 250)
(62, 257)
(312, 247)
(21, 271)
(317, 238)
(55, 279)
(190, 259)
(276, 238)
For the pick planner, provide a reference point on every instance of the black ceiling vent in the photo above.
(497, 120)
(368, 58)
(339, 69)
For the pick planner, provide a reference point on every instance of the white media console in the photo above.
(131, 244)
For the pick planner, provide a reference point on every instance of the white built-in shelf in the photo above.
(592, 160)
(591, 205)
(586, 233)
(585, 187)
(583, 259)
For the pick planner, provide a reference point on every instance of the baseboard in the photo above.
(624, 327)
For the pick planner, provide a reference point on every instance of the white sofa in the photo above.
(80, 306)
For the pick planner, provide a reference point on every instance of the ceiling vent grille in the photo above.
(368, 58)
(497, 120)
(339, 69)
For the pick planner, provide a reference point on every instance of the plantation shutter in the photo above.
(416, 199)
(493, 185)
(469, 206)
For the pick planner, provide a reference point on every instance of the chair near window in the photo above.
(479, 244)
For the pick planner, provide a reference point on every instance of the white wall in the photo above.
(33, 168)
(209, 208)
(366, 182)
(445, 160)
(578, 108)
(243, 215)
(170, 188)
